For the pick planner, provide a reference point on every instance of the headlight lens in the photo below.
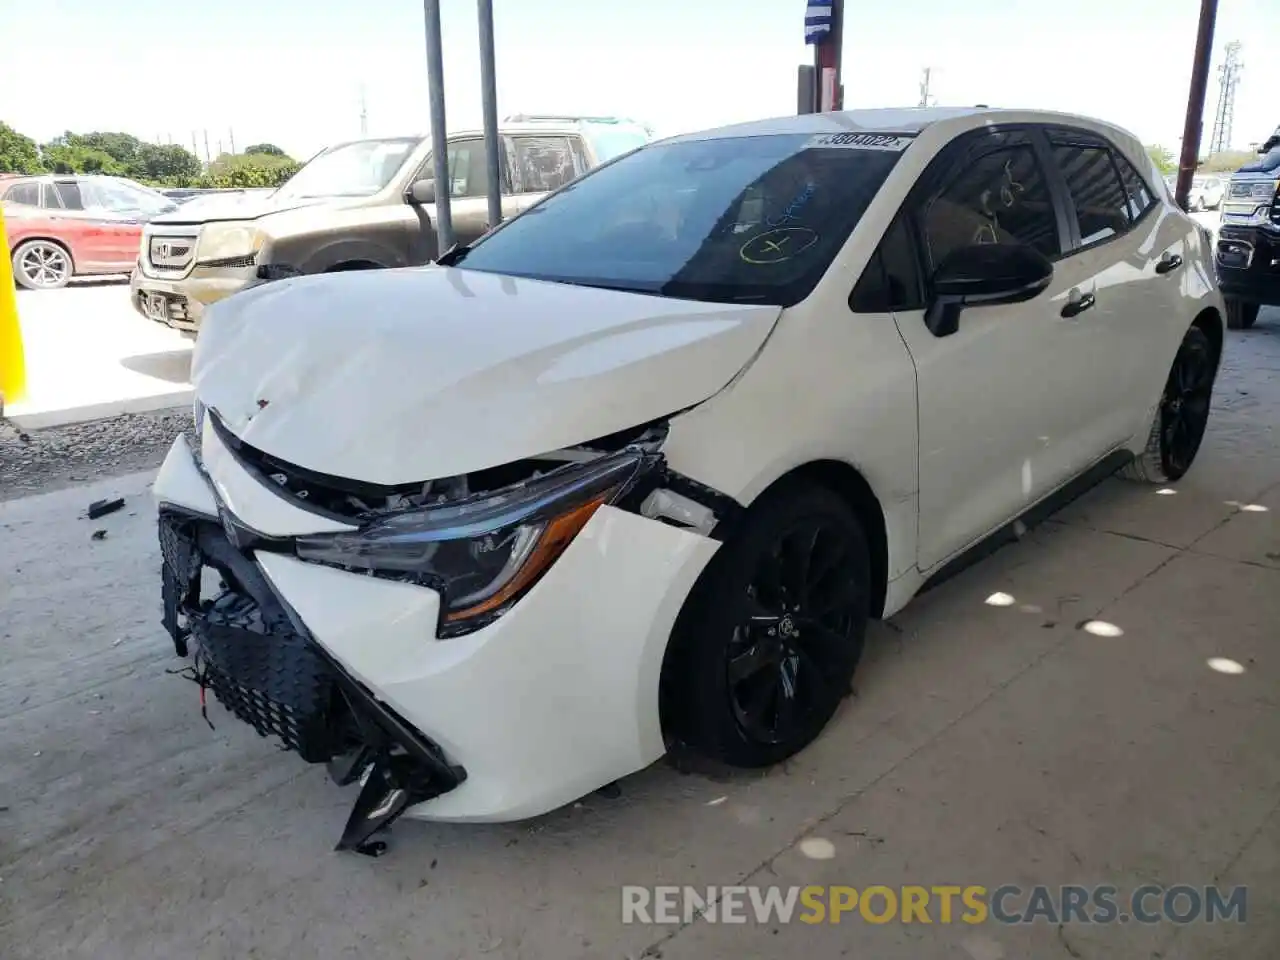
(228, 241)
(482, 554)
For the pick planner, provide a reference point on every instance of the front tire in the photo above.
(1178, 427)
(42, 265)
(1240, 315)
(767, 646)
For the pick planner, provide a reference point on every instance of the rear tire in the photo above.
(42, 265)
(1241, 315)
(1178, 427)
(767, 645)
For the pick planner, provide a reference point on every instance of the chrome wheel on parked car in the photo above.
(42, 265)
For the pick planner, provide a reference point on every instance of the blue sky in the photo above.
(290, 71)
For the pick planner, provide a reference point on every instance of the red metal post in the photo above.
(1195, 102)
(826, 62)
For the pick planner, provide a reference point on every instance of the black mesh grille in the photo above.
(273, 680)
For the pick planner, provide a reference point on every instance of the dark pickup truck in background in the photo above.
(1248, 255)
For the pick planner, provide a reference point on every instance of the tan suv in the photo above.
(359, 206)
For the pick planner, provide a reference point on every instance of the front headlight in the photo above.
(484, 553)
(227, 241)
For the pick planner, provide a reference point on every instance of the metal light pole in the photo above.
(439, 130)
(1195, 102)
(489, 103)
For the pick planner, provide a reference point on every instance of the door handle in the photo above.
(1078, 304)
(1168, 263)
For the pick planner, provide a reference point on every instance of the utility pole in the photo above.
(195, 146)
(439, 127)
(364, 114)
(232, 135)
(489, 102)
(924, 88)
(1224, 116)
(1194, 124)
(207, 158)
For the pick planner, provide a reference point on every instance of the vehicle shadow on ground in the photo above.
(172, 366)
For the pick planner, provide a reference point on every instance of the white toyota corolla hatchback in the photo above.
(634, 471)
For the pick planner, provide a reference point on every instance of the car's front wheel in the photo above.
(1182, 416)
(1240, 315)
(768, 644)
(42, 265)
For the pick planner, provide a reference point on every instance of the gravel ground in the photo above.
(41, 461)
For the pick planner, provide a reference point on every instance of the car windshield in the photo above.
(742, 219)
(357, 169)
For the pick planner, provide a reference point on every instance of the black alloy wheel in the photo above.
(1184, 409)
(795, 637)
(767, 645)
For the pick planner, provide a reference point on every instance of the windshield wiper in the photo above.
(454, 255)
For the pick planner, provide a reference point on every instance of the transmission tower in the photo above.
(1228, 79)
(925, 99)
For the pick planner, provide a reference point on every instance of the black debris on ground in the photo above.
(100, 508)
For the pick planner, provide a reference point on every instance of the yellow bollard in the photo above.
(13, 373)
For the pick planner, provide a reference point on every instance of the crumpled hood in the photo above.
(401, 376)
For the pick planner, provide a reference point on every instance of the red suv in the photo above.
(61, 227)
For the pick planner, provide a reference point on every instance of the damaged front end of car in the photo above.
(480, 541)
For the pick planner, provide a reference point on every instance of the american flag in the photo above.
(817, 20)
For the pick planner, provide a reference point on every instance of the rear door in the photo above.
(1125, 263)
(540, 163)
(86, 233)
(111, 230)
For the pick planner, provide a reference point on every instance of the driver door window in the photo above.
(1001, 197)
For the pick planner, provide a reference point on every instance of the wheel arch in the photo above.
(851, 486)
(1210, 321)
(846, 482)
(40, 238)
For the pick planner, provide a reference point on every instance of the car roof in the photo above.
(905, 120)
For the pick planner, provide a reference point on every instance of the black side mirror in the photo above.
(423, 191)
(985, 273)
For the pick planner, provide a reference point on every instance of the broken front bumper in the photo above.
(556, 698)
(262, 665)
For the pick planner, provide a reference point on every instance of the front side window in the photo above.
(27, 194)
(468, 169)
(1102, 208)
(1000, 197)
(891, 280)
(543, 164)
(358, 169)
(741, 219)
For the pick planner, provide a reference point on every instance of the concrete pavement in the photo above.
(987, 744)
(90, 355)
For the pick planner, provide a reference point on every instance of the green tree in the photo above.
(121, 147)
(1163, 158)
(18, 153)
(169, 163)
(255, 170)
(62, 157)
(265, 149)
